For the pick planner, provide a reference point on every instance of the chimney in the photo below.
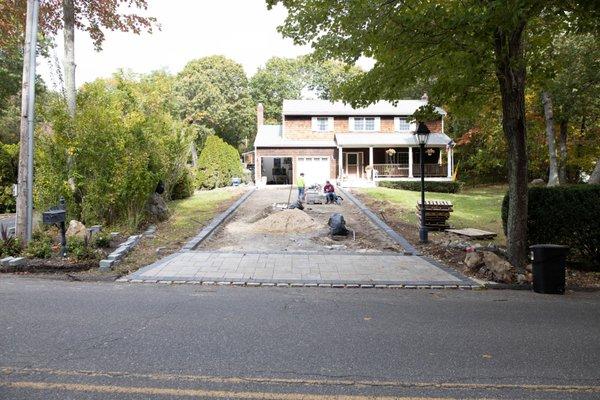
(260, 115)
(425, 98)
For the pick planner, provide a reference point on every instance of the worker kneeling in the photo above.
(330, 196)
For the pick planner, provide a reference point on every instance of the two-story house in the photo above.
(351, 146)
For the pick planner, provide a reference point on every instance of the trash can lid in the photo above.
(548, 246)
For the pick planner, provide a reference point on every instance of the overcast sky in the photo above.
(243, 30)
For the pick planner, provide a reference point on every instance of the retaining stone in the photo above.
(16, 261)
(5, 261)
(106, 263)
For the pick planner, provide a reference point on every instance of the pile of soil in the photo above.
(284, 221)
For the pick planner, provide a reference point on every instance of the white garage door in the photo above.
(316, 169)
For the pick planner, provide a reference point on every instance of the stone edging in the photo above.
(215, 222)
(395, 236)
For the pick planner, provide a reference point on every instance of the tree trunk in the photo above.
(562, 146)
(21, 222)
(510, 71)
(69, 60)
(550, 139)
(595, 177)
(194, 154)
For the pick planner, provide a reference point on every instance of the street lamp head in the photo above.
(422, 133)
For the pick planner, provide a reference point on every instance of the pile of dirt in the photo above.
(287, 221)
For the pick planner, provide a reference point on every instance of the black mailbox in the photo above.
(53, 216)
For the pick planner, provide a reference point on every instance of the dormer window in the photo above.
(364, 124)
(322, 124)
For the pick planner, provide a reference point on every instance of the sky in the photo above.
(243, 30)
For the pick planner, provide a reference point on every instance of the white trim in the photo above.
(351, 124)
(330, 124)
(377, 124)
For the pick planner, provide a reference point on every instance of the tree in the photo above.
(213, 95)
(464, 45)
(550, 139)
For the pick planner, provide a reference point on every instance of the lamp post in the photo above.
(422, 135)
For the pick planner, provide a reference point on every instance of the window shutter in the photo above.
(413, 126)
(330, 127)
(396, 124)
(314, 124)
(351, 124)
(377, 124)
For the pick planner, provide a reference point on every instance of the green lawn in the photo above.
(477, 207)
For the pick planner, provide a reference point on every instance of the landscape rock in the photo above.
(4, 262)
(538, 182)
(157, 208)
(474, 260)
(16, 261)
(521, 279)
(500, 269)
(105, 264)
(76, 228)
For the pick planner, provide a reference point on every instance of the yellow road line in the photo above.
(222, 394)
(303, 382)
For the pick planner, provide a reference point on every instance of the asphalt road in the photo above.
(74, 340)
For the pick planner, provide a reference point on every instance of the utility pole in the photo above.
(25, 176)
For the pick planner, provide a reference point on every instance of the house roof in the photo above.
(387, 139)
(326, 107)
(270, 136)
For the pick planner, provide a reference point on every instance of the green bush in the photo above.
(217, 164)
(9, 245)
(102, 240)
(430, 186)
(185, 185)
(122, 142)
(80, 249)
(9, 158)
(567, 215)
(40, 245)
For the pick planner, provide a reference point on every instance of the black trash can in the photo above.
(549, 268)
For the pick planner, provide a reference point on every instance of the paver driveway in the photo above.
(229, 256)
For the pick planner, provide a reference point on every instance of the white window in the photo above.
(402, 124)
(322, 124)
(364, 124)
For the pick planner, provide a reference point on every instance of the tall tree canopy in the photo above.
(214, 96)
(466, 45)
(286, 78)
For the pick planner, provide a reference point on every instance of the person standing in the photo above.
(329, 193)
(301, 186)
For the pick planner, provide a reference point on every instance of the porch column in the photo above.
(410, 162)
(371, 162)
(450, 162)
(340, 163)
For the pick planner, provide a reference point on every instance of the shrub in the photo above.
(9, 158)
(122, 142)
(185, 185)
(80, 249)
(566, 215)
(217, 164)
(102, 240)
(430, 186)
(40, 245)
(9, 245)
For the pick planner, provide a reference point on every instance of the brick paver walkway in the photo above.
(299, 268)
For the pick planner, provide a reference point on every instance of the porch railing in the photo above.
(401, 170)
(390, 170)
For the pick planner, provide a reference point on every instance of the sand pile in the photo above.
(286, 221)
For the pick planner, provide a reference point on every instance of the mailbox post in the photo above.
(57, 215)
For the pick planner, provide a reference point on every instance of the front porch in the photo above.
(394, 163)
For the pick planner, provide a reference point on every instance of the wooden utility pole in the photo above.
(25, 177)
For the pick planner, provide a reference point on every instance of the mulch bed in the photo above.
(454, 257)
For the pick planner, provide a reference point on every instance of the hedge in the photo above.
(567, 215)
(217, 164)
(430, 186)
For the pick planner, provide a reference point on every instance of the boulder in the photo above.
(157, 208)
(501, 269)
(538, 182)
(474, 260)
(76, 228)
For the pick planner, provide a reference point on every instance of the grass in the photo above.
(188, 216)
(476, 207)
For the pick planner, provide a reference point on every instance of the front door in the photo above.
(353, 165)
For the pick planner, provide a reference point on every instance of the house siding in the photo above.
(300, 127)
